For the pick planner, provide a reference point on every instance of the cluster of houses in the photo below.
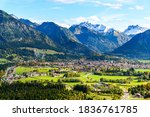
(86, 64)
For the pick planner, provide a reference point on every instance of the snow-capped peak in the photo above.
(110, 30)
(134, 29)
(96, 27)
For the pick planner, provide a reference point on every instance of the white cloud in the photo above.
(91, 19)
(62, 24)
(147, 18)
(137, 7)
(126, 1)
(95, 2)
(107, 4)
(68, 1)
(131, 8)
(114, 17)
(56, 8)
(147, 25)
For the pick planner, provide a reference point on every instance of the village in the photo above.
(74, 65)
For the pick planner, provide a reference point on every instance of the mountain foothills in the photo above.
(25, 39)
(63, 38)
(14, 35)
(137, 47)
(18, 38)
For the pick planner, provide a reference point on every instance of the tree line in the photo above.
(35, 90)
(143, 90)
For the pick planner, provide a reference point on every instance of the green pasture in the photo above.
(100, 96)
(142, 70)
(96, 77)
(144, 61)
(39, 78)
(42, 51)
(3, 61)
(20, 70)
(85, 77)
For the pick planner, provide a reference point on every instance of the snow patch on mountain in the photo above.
(96, 27)
(134, 29)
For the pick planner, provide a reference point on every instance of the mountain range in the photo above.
(98, 37)
(14, 35)
(24, 38)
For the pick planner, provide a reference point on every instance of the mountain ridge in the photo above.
(137, 47)
(103, 41)
(133, 30)
(84, 39)
(64, 38)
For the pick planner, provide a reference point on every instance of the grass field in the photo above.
(144, 61)
(39, 78)
(142, 70)
(85, 77)
(3, 61)
(20, 70)
(100, 96)
(135, 83)
(96, 77)
(42, 51)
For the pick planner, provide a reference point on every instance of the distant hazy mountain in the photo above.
(64, 38)
(134, 29)
(137, 47)
(98, 37)
(28, 22)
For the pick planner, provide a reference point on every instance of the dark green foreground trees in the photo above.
(143, 90)
(38, 91)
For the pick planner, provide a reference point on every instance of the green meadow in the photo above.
(57, 75)
(85, 77)
(144, 61)
(20, 70)
(142, 70)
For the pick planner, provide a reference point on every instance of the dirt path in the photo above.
(126, 95)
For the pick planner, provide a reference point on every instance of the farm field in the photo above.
(144, 61)
(143, 70)
(84, 76)
(98, 83)
(20, 70)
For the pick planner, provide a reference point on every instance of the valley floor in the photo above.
(102, 80)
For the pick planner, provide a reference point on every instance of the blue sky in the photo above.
(116, 14)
